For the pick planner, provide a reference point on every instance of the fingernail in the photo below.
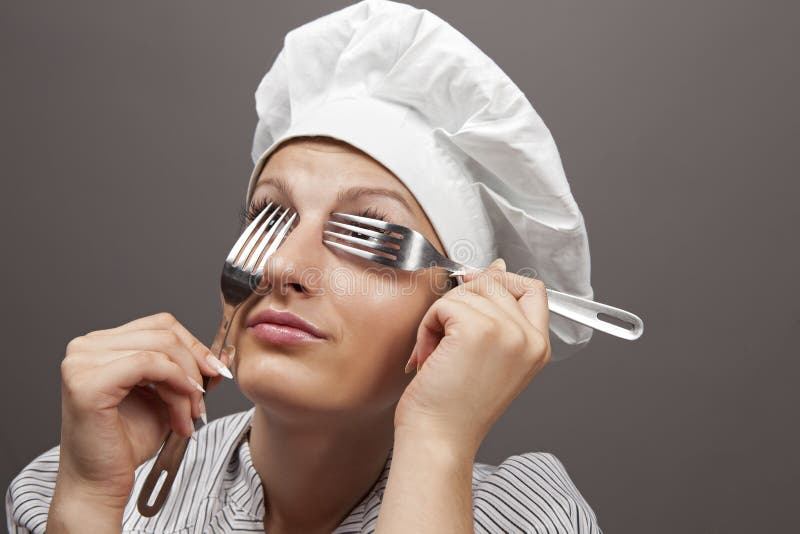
(469, 272)
(499, 263)
(197, 386)
(202, 405)
(216, 364)
(409, 367)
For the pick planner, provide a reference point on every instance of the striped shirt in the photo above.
(217, 489)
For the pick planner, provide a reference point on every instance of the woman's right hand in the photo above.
(111, 421)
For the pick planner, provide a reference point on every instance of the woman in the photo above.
(338, 439)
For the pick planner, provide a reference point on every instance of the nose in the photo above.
(296, 265)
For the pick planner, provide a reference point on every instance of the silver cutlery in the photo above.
(403, 248)
(242, 273)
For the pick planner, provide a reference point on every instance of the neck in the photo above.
(313, 475)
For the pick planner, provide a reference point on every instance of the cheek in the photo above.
(384, 314)
(379, 332)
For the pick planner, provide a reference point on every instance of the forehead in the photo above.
(301, 163)
(336, 161)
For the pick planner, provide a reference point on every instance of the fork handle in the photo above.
(623, 323)
(174, 448)
(590, 313)
(167, 464)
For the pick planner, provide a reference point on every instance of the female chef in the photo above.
(387, 111)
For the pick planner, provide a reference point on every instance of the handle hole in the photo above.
(616, 321)
(157, 488)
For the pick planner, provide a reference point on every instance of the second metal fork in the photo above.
(409, 250)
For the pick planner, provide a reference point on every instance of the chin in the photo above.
(282, 384)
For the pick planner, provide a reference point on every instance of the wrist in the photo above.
(436, 446)
(113, 491)
(77, 507)
(430, 484)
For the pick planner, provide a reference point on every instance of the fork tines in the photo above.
(382, 238)
(268, 228)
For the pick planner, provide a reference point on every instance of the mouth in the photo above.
(283, 327)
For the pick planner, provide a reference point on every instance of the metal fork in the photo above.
(409, 250)
(241, 275)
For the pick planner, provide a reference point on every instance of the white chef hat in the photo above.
(405, 87)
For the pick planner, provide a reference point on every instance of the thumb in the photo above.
(498, 264)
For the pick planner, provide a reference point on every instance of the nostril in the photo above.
(297, 287)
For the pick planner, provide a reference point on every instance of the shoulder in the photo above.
(529, 492)
(30, 492)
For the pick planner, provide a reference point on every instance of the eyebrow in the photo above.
(353, 193)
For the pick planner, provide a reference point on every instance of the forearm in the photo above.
(78, 509)
(429, 488)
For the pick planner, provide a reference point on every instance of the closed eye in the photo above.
(247, 214)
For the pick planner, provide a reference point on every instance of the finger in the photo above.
(535, 307)
(516, 329)
(471, 274)
(95, 359)
(106, 348)
(427, 341)
(490, 307)
(531, 296)
(116, 378)
(165, 341)
(497, 264)
(530, 293)
(198, 406)
(444, 317)
(166, 321)
(491, 288)
(177, 405)
(516, 284)
(492, 284)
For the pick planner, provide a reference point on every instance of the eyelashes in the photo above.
(373, 213)
(247, 214)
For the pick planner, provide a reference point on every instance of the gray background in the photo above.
(126, 132)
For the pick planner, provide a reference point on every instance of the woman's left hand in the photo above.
(477, 349)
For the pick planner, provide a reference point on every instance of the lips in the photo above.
(285, 318)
